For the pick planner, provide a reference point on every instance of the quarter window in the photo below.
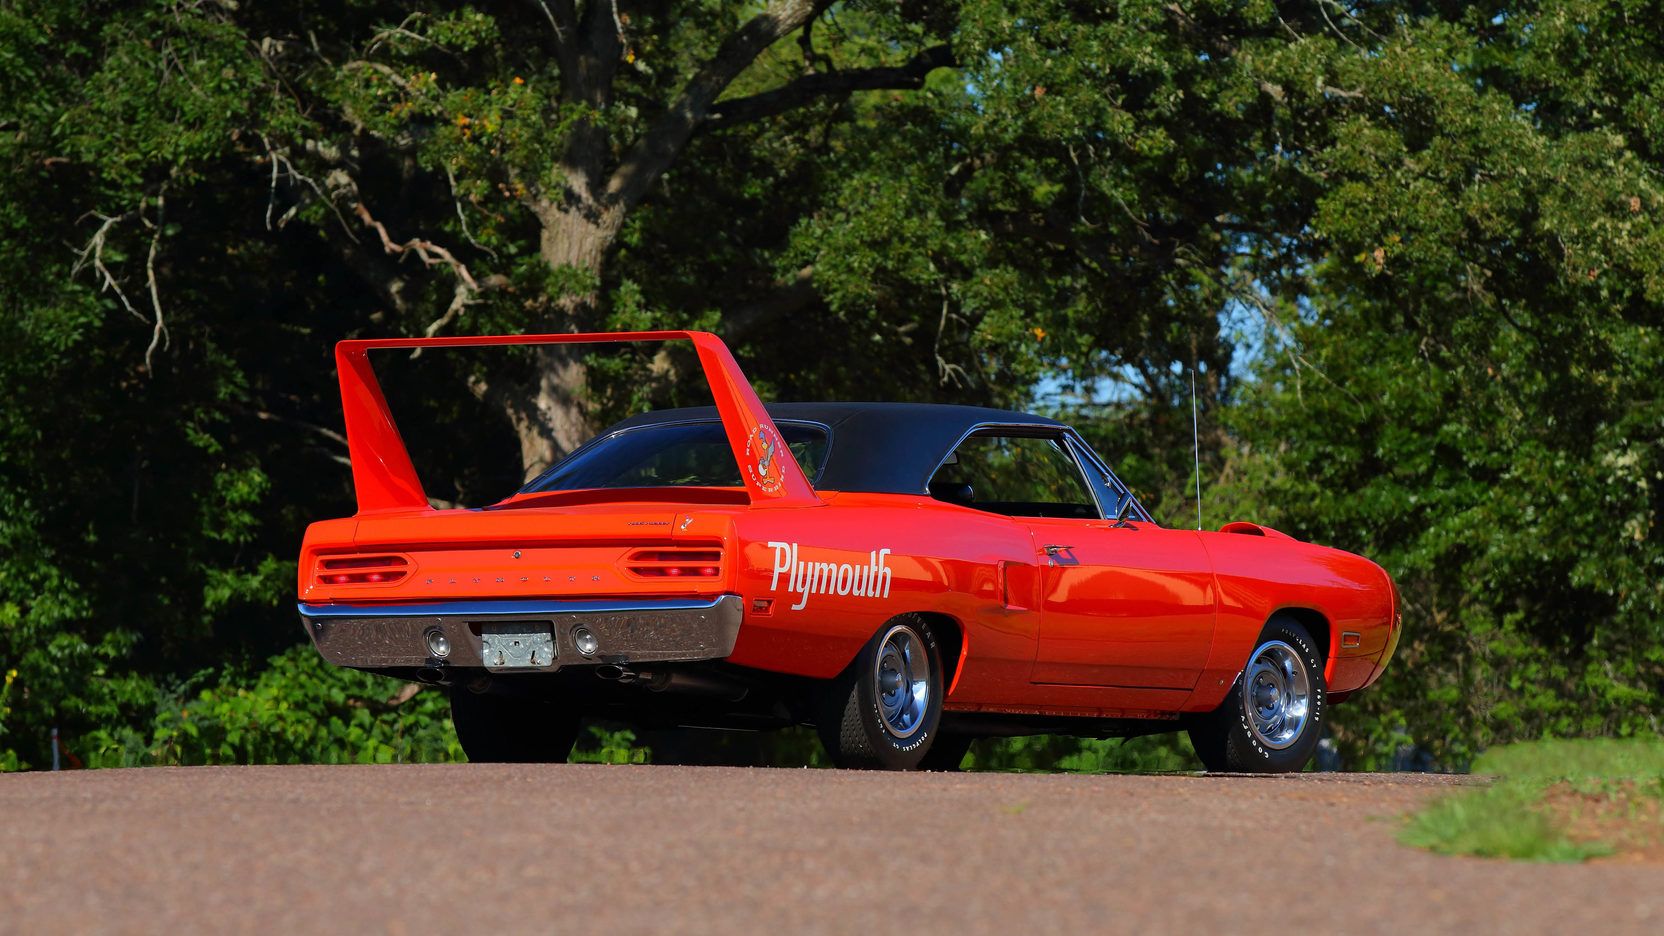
(1015, 475)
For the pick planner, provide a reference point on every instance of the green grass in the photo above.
(1508, 819)
(1499, 822)
(1588, 759)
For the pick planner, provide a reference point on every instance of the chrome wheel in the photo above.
(1276, 694)
(901, 676)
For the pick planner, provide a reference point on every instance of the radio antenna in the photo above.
(1196, 446)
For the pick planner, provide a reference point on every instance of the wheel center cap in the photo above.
(889, 681)
(1267, 696)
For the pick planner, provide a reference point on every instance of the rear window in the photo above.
(689, 454)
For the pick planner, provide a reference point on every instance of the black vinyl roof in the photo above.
(876, 447)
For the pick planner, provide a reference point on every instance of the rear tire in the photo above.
(1273, 717)
(508, 730)
(881, 713)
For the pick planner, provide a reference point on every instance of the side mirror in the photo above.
(1122, 510)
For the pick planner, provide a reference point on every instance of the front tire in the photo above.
(881, 713)
(1273, 717)
(508, 730)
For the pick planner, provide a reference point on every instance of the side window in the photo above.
(1015, 475)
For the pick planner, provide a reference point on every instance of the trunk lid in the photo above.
(612, 550)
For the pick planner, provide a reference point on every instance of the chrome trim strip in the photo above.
(1072, 447)
(505, 606)
(1082, 450)
(1114, 479)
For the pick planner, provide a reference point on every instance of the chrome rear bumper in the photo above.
(626, 632)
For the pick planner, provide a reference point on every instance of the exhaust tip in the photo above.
(431, 675)
(609, 671)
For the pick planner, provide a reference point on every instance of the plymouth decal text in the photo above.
(870, 579)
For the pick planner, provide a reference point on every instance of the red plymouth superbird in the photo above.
(906, 578)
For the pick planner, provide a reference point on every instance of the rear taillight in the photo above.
(363, 570)
(675, 562)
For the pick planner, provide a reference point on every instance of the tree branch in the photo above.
(384, 71)
(280, 157)
(788, 296)
(462, 218)
(563, 19)
(431, 254)
(601, 46)
(94, 251)
(269, 416)
(158, 334)
(659, 146)
(427, 251)
(823, 84)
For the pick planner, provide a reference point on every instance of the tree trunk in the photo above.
(581, 221)
(550, 414)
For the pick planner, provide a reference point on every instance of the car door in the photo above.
(1122, 603)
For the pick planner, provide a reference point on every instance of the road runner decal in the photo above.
(870, 579)
(762, 451)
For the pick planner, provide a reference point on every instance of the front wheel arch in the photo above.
(1317, 625)
(1227, 740)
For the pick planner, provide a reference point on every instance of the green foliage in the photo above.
(599, 744)
(799, 747)
(1463, 389)
(1506, 819)
(297, 709)
(1165, 753)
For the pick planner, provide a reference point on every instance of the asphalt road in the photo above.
(455, 849)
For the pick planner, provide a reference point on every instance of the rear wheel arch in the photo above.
(883, 711)
(949, 634)
(951, 637)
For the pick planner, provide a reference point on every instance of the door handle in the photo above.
(1056, 548)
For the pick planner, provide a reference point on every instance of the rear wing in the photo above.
(385, 479)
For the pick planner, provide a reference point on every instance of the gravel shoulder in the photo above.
(402, 849)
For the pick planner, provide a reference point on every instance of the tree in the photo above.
(203, 197)
(1466, 386)
(564, 114)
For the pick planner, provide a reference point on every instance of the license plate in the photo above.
(511, 646)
